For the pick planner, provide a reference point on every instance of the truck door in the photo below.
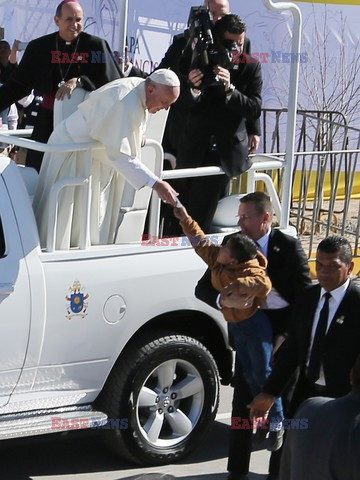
(14, 299)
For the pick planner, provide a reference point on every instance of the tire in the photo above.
(166, 391)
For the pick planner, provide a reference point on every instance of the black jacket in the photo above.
(213, 119)
(329, 447)
(341, 348)
(40, 69)
(287, 268)
(185, 113)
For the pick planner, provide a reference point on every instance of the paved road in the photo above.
(83, 456)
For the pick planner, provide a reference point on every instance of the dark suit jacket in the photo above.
(136, 72)
(329, 448)
(174, 130)
(174, 52)
(341, 347)
(214, 119)
(287, 268)
(38, 70)
(6, 72)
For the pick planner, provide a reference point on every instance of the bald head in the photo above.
(217, 8)
(58, 11)
(69, 18)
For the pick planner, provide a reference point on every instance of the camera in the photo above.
(22, 46)
(206, 51)
(200, 28)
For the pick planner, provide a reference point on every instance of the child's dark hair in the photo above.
(241, 247)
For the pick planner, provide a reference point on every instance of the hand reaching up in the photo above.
(180, 211)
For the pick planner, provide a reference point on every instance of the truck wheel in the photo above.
(165, 392)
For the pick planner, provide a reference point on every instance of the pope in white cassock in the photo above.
(116, 116)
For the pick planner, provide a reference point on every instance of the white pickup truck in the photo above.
(109, 333)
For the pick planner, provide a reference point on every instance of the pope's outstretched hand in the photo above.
(166, 192)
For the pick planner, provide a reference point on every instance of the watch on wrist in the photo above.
(79, 82)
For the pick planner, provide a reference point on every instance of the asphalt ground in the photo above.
(83, 456)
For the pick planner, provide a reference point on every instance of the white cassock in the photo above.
(116, 116)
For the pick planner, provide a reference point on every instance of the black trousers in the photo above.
(43, 128)
(280, 319)
(240, 439)
(240, 446)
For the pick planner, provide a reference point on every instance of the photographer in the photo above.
(223, 104)
(178, 112)
(217, 9)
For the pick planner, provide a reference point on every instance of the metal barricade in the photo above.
(326, 180)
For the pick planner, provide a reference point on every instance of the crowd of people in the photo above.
(259, 279)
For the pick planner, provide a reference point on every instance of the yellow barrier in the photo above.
(327, 191)
(356, 260)
(356, 270)
(240, 186)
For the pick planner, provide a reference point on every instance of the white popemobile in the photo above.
(106, 334)
(112, 335)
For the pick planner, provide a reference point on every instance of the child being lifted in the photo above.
(239, 262)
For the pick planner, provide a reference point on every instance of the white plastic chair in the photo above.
(225, 216)
(30, 178)
(134, 204)
(64, 108)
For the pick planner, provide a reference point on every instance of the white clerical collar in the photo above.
(67, 42)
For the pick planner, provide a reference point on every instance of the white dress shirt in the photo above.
(274, 300)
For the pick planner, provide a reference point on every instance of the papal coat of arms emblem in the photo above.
(77, 306)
